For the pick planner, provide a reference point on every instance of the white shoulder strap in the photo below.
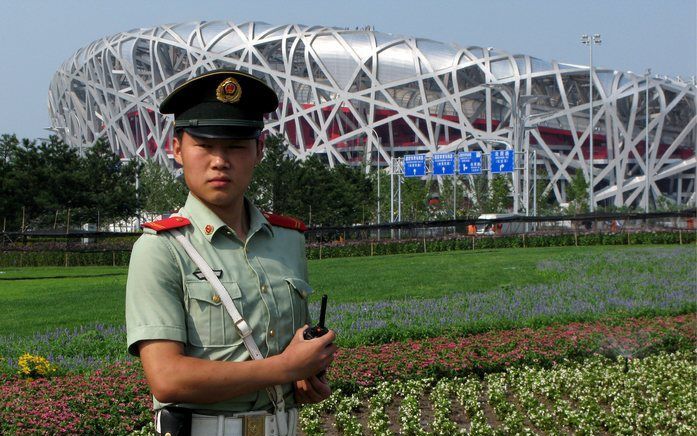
(243, 328)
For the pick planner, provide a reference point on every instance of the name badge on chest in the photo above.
(199, 275)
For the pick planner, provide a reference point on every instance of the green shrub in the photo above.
(64, 258)
(121, 256)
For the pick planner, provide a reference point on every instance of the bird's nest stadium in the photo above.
(359, 96)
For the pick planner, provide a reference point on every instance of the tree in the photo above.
(415, 198)
(39, 180)
(159, 190)
(666, 204)
(546, 204)
(440, 189)
(111, 193)
(309, 190)
(352, 193)
(8, 205)
(320, 197)
(500, 194)
(478, 189)
(577, 193)
(275, 178)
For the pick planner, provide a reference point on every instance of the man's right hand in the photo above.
(305, 358)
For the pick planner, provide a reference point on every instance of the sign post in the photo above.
(444, 165)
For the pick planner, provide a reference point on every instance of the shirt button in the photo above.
(216, 298)
(272, 333)
(263, 288)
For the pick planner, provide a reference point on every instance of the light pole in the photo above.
(377, 138)
(515, 122)
(455, 171)
(138, 196)
(534, 186)
(647, 188)
(524, 121)
(377, 171)
(519, 124)
(590, 41)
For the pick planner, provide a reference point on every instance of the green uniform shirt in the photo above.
(266, 277)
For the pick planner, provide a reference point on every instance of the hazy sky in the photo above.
(36, 37)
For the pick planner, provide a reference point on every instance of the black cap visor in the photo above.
(222, 132)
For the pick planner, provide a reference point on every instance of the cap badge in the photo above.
(208, 229)
(229, 91)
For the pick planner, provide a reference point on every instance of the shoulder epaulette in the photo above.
(170, 223)
(285, 221)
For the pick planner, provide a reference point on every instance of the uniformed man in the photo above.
(195, 361)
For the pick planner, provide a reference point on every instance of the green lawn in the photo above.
(41, 299)
(433, 274)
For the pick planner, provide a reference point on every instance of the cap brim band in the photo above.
(219, 122)
(222, 132)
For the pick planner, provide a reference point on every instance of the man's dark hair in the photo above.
(179, 134)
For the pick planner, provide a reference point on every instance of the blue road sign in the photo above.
(443, 164)
(501, 161)
(470, 162)
(414, 165)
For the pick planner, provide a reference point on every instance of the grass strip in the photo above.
(89, 296)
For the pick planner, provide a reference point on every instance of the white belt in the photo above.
(248, 424)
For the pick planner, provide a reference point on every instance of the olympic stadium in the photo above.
(363, 97)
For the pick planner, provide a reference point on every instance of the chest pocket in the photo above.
(208, 322)
(299, 291)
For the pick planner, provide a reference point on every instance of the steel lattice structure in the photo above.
(359, 96)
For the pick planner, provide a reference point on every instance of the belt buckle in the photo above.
(254, 425)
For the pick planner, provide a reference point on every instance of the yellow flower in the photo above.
(31, 366)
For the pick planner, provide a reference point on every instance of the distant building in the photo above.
(363, 97)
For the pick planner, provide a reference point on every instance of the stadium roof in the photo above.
(360, 96)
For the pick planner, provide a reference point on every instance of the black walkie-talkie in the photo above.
(319, 329)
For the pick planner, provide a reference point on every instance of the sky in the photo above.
(37, 36)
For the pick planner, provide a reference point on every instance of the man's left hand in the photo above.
(312, 390)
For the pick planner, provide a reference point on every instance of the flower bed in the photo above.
(76, 350)
(110, 401)
(656, 395)
(97, 402)
(496, 350)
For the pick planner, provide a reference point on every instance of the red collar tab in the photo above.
(285, 221)
(170, 223)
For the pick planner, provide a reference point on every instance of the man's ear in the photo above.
(177, 150)
(260, 150)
